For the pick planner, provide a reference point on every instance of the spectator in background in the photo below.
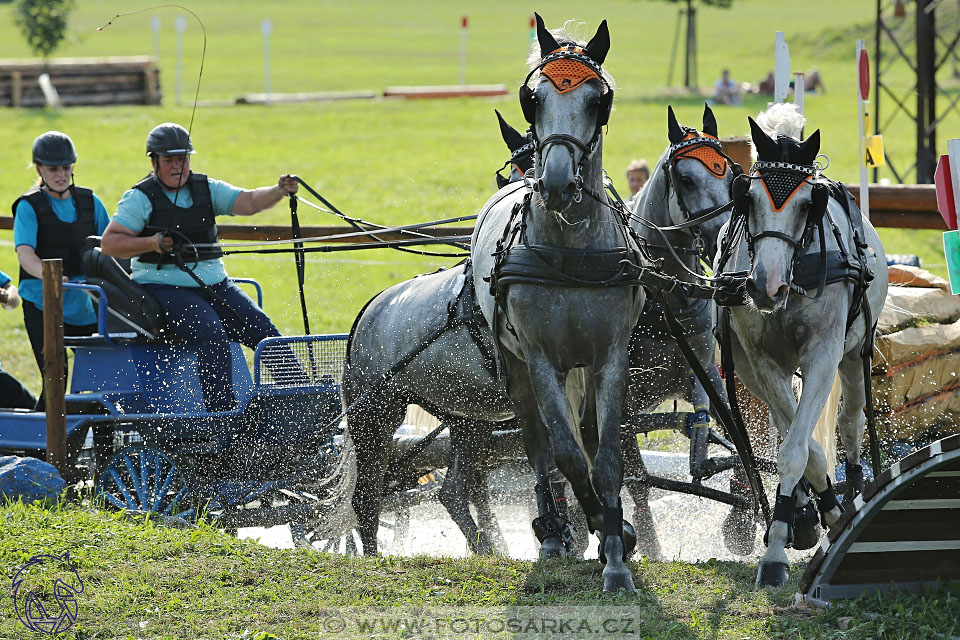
(53, 220)
(638, 172)
(726, 90)
(13, 395)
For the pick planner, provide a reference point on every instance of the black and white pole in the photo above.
(463, 50)
(266, 28)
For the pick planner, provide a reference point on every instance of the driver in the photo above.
(201, 305)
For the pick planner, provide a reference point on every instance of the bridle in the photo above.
(686, 150)
(572, 54)
(781, 182)
(521, 159)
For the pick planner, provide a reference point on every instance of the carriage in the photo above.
(137, 425)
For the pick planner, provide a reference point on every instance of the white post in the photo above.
(781, 69)
(798, 89)
(861, 104)
(155, 27)
(181, 24)
(463, 51)
(266, 28)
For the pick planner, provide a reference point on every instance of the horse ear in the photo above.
(810, 148)
(511, 136)
(709, 121)
(767, 148)
(547, 42)
(674, 130)
(599, 45)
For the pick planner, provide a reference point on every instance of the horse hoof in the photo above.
(614, 580)
(739, 532)
(552, 547)
(773, 574)
(806, 527)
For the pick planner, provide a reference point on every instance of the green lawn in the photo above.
(145, 581)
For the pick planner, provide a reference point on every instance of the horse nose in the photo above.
(771, 294)
(557, 194)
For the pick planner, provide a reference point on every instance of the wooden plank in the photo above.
(325, 96)
(16, 88)
(446, 91)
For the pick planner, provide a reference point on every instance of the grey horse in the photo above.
(801, 317)
(691, 179)
(564, 294)
(453, 378)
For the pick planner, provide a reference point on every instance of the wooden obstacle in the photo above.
(903, 532)
(447, 91)
(81, 81)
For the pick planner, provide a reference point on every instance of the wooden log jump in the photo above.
(81, 81)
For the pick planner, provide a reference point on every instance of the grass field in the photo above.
(145, 581)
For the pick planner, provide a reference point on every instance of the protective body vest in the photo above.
(59, 239)
(195, 224)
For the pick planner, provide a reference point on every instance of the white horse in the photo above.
(817, 281)
(564, 293)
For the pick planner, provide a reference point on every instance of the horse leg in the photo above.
(453, 493)
(795, 455)
(551, 530)
(648, 544)
(371, 429)
(850, 424)
(776, 389)
(618, 539)
(478, 490)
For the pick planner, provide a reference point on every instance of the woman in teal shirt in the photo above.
(53, 220)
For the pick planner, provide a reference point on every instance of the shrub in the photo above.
(43, 23)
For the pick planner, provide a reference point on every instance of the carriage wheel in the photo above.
(143, 479)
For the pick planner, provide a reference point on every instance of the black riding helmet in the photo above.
(54, 149)
(169, 139)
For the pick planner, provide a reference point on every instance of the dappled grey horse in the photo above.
(690, 181)
(817, 280)
(564, 294)
(453, 378)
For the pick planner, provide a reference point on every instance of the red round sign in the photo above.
(864, 73)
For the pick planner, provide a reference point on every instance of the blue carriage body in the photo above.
(153, 389)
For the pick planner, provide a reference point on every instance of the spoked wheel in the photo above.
(143, 479)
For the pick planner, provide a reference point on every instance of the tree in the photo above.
(43, 23)
(690, 66)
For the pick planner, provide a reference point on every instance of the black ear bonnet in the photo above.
(783, 166)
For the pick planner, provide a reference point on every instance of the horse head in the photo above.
(781, 201)
(698, 175)
(567, 106)
(521, 152)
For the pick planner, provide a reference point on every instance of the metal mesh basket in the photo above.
(296, 361)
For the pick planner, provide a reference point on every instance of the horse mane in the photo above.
(781, 119)
(567, 34)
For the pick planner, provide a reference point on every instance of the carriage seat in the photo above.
(132, 308)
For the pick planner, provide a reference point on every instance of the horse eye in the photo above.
(687, 181)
